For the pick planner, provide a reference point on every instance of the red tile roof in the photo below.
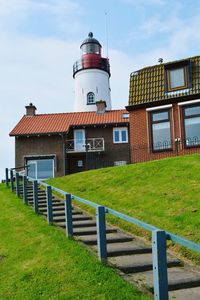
(61, 122)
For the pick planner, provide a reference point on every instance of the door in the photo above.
(79, 140)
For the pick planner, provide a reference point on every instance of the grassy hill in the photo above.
(37, 261)
(164, 193)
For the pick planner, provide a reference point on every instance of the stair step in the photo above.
(178, 278)
(81, 224)
(111, 238)
(119, 249)
(90, 231)
(139, 263)
(75, 219)
(60, 214)
(190, 294)
(43, 202)
(55, 208)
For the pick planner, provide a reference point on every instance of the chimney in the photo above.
(30, 110)
(101, 106)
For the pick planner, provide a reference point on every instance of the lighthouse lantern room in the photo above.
(91, 74)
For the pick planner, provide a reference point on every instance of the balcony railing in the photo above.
(87, 145)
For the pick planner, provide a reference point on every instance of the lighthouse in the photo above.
(92, 77)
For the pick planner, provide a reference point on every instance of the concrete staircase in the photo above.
(129, 254)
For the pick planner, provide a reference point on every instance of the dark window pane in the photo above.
(161, 136)
(31, 170)
(116, 136)
(44, 168)
(159, 116)
(192, 131)
(124, 138)
(190, 111)
(90, 98)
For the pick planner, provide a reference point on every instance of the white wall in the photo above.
(91, 80)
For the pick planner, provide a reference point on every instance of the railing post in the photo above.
(25, 196)
(11, 181)
(35, 196)
(159, 265)
(101, 233)
(68, 216)
(17, 184)
(49, 205)
(7, 180)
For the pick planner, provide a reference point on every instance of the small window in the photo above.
(90, 98)
(80, 163)
(120, 163)
(160, 129)
(177, 78)
(192, 125)
(120, 135)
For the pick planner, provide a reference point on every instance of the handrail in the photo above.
(169, 236)
(82, 200)
(25, 166)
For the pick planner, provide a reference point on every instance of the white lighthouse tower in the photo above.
(91, 74)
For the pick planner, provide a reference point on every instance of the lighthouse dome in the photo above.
(91, 45)
(90, 39)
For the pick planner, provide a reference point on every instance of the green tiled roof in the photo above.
(148, 84)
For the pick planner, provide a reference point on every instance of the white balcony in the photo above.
(85, 145)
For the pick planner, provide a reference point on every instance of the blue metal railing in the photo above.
(159, 236)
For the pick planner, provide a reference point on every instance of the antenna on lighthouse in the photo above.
(106, 32)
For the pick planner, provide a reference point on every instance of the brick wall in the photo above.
(42, 145)
(140, 136)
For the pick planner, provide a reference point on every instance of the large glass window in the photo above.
(120, 135)
(161, 132)
(177, 78)
(192, 125)
(40, 168)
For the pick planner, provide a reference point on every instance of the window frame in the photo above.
(186, 118)
(120, 129)
(34, 160)
(185, 86)
(88, 95)
(160, 122)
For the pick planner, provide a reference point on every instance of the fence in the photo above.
(159, 236)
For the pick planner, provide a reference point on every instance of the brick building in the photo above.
(164, 110)
(63, 143)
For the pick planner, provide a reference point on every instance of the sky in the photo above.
(40, 40)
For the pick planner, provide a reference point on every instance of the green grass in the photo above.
(37, 261)
(164, 193)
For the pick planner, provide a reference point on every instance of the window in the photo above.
(120, 163)
(91, 48)
(90, 98)
(192, 125)
(160, 128)
(177, 78)
(79, 140)
(40, 168)
(120, 135)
